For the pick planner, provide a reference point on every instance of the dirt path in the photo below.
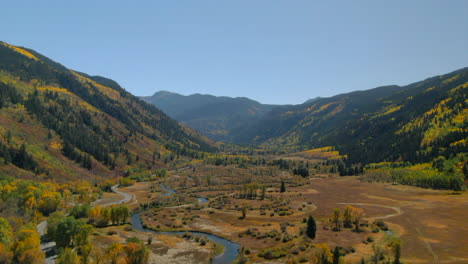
(126, 197)
(396, 209)
(431, 223)
(400, 212)
(428, 246)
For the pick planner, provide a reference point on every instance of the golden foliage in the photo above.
(451, 79)
(103, 89)
(8, 188)
(55, 145)
(392, 109)
(461, 118)
(459, 143)
(27, 247)
(64, 91)
(444, 118)
(325, 106)
(95, 212)
(6, 255)
(321, 153)
(53, 89)
(115, 251)
(21, 51)
(68, 256)
(430, 89)
(323, 253)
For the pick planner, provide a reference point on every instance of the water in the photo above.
(168, 190)
(230, 248)
(202, 200)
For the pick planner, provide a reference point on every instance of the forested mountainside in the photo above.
(60, 123)
(415, 123)
(214, 116)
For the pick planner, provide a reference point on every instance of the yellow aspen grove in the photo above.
(27, 247)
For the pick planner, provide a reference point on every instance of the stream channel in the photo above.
(230, 248)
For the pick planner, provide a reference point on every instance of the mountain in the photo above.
(59, 123)
(416, 123)
(312, 100)
(216, 117)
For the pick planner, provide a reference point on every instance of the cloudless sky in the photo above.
(281, 52)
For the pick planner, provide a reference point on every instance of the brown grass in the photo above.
(431, 223)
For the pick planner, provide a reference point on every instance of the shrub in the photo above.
(380, 224)
(294, 251)
(272, 253)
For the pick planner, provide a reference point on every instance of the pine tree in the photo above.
(397, 254)
(336, 256)
(283, 187)
(262, 195)
(311, 227)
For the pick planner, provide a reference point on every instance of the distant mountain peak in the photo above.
(213, 116)
(164, 92)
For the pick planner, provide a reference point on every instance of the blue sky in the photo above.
(281, 52)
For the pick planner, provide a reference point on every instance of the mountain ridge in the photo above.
(368, 121)
(363, 120)
(213, 116)
(89, 123)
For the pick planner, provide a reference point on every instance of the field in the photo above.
(431, 224)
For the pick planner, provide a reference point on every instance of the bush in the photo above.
(286, 238)
(242, 260)
(294, 251)
(380, 224)
(80, 211)
(270, 253)
(273, 233)
(203, 241)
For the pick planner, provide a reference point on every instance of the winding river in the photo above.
(230, 248)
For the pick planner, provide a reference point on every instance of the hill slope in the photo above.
(416, 123)
(215, 117)
(68, 124)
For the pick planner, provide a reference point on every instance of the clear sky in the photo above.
(271, 51)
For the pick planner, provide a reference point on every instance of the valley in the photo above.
(91, 174)
(412, 214)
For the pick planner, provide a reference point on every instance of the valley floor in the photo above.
(431, 223)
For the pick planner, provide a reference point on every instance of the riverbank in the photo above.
(228, 255)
